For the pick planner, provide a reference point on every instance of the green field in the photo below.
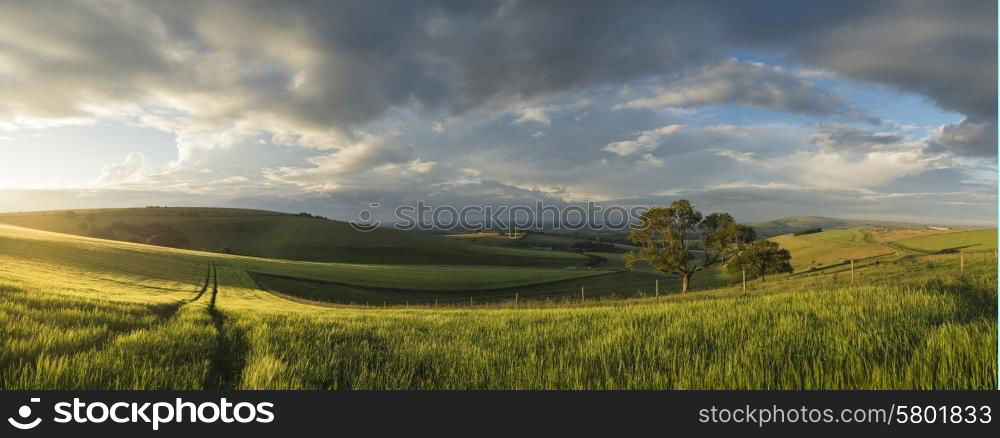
(793, 224)
(86, 313)
(975, 240)
(830, 248)
(285, 236)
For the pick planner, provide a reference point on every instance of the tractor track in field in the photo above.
(204, 287)
(164, 312)
(231, 347)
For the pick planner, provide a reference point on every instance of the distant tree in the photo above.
(102, 233)
(157, 240)
(666, 236)
(808, 231)
(761, 258)
(225, 250)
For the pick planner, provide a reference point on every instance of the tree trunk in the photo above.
(684, 282)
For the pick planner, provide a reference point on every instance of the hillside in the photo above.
(800, 223)
(830, 248)
(280, 235)
(83, 313)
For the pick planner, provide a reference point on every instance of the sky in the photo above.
(765, 109)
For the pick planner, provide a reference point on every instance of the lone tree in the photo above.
(761, 258)
(665, 237)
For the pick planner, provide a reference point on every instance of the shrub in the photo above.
(809, 231)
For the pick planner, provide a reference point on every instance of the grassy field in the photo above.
(800, 223)
(86, 313)
(285, 236)
(828, 248)
(974, 240)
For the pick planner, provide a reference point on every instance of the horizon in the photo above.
(782, 115)
(533, 227)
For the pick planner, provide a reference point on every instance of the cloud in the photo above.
(850, 139)
(135, 167)
(733, 82)
(644, 142)
(831, 170)
(273, 99)
(967, 138)
(542, 115)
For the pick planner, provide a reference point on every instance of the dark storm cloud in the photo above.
(850, 139)
(750, 84)
(966, 138)
(313, 64)
(338, 75)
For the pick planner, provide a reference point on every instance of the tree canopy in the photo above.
(668, 238)
(761, 258)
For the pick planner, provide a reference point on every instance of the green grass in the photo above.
(975, 240)
(284, 236)
(104, 258)
(850, 236)
(85, 313)
(830, 248)
(800, 223)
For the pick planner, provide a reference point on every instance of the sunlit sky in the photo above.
(874, 109)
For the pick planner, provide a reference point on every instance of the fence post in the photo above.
(852, 271)
(961, 261)
(582, 297)
(657, 288)
(516, 296)
(470, 302)
(744, 281)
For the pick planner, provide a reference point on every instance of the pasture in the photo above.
(86, 313)
(973, 240)
(278, 235)
(828, 248)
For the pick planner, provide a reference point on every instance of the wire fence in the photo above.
(842, 273)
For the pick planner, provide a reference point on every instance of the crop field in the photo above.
(850, 236)
(87, 313)
(975, 240)
(833, 247)
(284, 236)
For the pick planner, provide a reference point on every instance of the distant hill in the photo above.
(279, 235)
(800, 223)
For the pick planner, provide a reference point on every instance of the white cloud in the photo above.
(542, 115)
(135, 167)
(646, 141)
(650, 161)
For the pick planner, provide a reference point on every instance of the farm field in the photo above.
(87, 313)
(278, 235)
(974, 240)
(830, 248)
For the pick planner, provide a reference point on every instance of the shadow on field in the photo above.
(231, 347)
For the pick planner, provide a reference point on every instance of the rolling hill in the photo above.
(972, 240)
(280, 235)
(85, 313)
(800, 223)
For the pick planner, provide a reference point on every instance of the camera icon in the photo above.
(366, 219)
(24, 412)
